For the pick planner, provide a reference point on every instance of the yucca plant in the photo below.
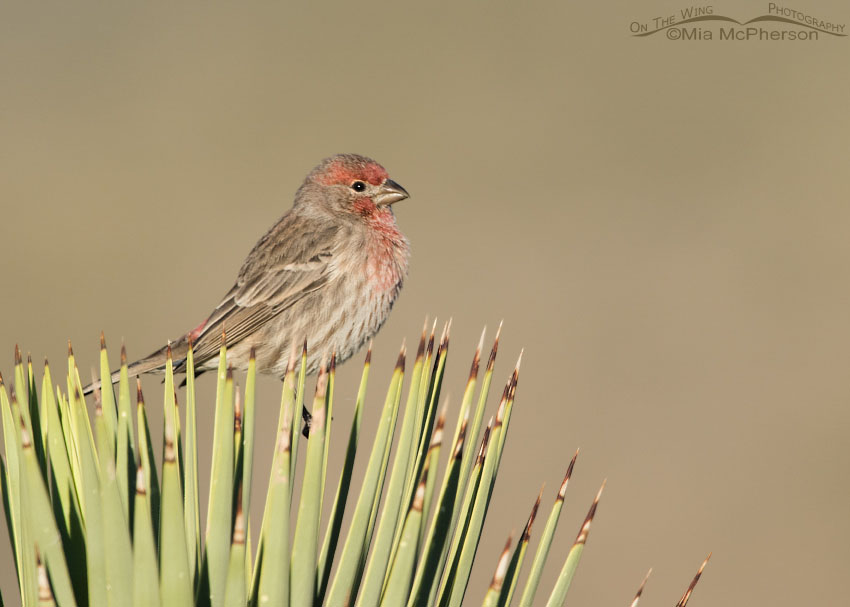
(94, 522)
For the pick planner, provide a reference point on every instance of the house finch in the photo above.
(328, 271)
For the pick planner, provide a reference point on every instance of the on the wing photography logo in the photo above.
(780, 22)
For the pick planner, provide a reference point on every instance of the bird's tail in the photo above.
(152, 363)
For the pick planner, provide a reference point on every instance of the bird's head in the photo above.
(353, 185)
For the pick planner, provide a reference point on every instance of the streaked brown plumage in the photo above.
(328, 271)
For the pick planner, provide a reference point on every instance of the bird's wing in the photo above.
(283, 268)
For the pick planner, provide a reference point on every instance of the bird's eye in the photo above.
(358, 186)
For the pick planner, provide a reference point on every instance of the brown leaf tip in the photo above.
(495, 349)
(140, 399)
(526, 533)
(430, 349)
(102, 341)
(123, 354)
(437, 436)
(484, 442)
(369, 353)
(442, 343)
(322, 381)
(585, 528)
(333, 363)
(18, 359)
(229, 376)
(502, 566)
(461, 438)
(563, 490)
(252, 355)
(399, 364)
(476, 360)
(640, 589)
(70, 349)
(168, 351)
(685, 597)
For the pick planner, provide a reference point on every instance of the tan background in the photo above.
(662, 225)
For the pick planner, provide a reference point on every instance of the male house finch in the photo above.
(328, 271)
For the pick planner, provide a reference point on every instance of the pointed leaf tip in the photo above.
(563, 490)
(640, 589)
(420, 350)
(476, 358)
(685, 597)
(70, 349)
(253, 354)
(18, 360)
(484, 442)
(429, 349)
(140, 399)
(399, 364)
(526, 534)
(102, 341)
(491, 361)
(502, 566)
(123, 354)
(369, 353)
(585, 528)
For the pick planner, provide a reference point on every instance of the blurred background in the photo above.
(661, 224)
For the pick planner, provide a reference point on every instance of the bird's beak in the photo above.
(390, 192)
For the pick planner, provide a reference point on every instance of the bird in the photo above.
(326, 273)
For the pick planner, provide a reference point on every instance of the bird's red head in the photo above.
(352, 184)
(345, 169)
